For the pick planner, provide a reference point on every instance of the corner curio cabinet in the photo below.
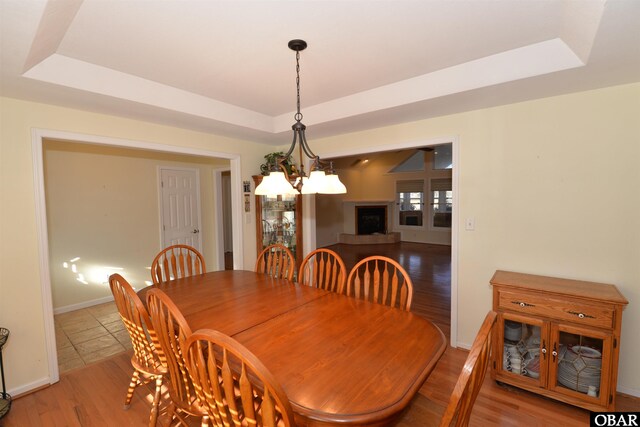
(279, 220)
(558, 338)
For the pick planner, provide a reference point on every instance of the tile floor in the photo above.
(89, 335)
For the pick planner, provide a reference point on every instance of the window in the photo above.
(441, 202)
(414, 163)
(410, 201)
(443, 157)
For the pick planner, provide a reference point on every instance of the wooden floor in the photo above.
(93, 395)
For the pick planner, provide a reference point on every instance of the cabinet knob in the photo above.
(555, 353)
(522, 304)
(544, 350)
(581, 315)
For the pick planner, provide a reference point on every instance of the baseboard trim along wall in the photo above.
(82, 305)
(29, 388)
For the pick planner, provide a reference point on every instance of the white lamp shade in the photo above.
(307, 186)
(334, 185)
(261, 189)
(274, 184)
(315, 183)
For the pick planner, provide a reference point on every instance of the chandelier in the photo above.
(322, 177)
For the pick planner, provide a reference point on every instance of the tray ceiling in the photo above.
(224, 67)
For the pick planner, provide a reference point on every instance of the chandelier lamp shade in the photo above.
(322, 178)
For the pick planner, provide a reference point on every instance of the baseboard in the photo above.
(463, 346)
(82, 305)
(29, 388)
(629, 390)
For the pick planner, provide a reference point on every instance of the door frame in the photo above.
(309, 206)
(198, 204)
(218, 207)
(37, 137)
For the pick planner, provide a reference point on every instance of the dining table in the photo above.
(341, 361)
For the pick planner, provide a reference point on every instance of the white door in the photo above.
(180, 201)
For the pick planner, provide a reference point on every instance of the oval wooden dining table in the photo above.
(341, 361)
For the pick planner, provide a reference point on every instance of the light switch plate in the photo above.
(470, 224)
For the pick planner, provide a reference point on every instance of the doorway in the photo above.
(337, 204)
(38, 137)
(227, 232)
(104, 217)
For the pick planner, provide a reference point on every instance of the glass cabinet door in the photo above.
(580, 361)
(523, 344)
(279, 221)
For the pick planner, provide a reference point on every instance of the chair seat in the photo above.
(145, 370)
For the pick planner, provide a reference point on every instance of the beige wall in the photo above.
(330, 218)
(21, 309)
(102, 206)
(553, 185)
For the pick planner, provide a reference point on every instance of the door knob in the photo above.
(195, 231)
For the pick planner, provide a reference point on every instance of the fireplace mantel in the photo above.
(366, 201)
(349, 235)
(369, 239)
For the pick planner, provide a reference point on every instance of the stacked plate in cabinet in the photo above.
(580, 368)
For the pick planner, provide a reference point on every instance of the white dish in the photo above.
(588, 352)
(512, 331)
(569, 377)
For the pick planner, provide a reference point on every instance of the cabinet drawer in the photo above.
(562, 309)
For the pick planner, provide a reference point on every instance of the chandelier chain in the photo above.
(298, 115)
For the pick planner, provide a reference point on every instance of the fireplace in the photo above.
(371, 220)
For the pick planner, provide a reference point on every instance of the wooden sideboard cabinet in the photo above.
(559, 338)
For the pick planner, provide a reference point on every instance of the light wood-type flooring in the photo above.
(93, 395)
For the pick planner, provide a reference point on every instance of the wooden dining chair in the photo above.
(425, 412)
(175, 262)
(171, 331)
(276, 261)
(381, 280)
(323, 269)
(147, 365)
(232, 384)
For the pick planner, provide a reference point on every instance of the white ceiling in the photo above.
(224, 66)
